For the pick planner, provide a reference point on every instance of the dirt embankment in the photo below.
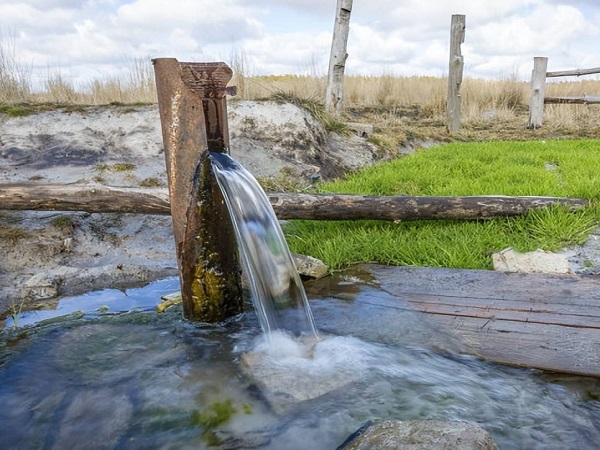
(46, 254)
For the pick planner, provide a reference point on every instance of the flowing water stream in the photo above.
(110, 373)
(277, 292)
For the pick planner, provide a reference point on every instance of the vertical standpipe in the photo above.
(193, 114)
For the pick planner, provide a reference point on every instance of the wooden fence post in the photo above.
(191, 102)
(538, 85)
(455, 72)
(334, 97)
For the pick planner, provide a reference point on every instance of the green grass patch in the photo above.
(117, 167)
(151, 182)
(16, 110)
(552, 168)
(287, 181)
(63, 222)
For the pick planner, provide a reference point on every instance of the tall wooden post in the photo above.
(455, 72)
(334, 97)
(191, 100)
(538, 88)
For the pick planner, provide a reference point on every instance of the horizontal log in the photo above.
(353, 207)
(90, 197)
(585, 100)
(100, 198)
(573, 73)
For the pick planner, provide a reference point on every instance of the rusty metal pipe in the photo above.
(193, 113)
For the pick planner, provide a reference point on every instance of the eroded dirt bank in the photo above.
(50, 253)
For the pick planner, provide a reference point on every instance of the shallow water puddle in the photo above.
(145, 380)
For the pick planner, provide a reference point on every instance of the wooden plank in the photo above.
(487, 284)
(525, 305)
(496, 314)
(549, 322)
(542, 346)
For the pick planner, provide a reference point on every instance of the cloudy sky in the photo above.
(94, 39)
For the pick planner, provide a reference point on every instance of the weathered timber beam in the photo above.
(573, 73)
(585, 100)
(99, 198)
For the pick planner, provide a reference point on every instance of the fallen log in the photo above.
(90, 197)
(100, 198)
(351, 207)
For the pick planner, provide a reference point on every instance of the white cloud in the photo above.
(214, 21)
(87, 37)
(21, 17)
(277, 54)
(544, 29)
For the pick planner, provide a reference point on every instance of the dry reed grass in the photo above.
(388, 98)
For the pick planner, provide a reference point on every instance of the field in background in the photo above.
(387, 98)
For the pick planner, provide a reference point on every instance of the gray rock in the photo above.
(270, 139)
(310, 267)
(419, 435)
(40, 287)
(538, 261)
(289, 372)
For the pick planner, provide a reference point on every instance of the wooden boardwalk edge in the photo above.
(548, 322)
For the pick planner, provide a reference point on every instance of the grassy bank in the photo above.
(550, 168)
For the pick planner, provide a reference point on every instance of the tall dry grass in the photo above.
(14, 77)
(137, 86)
(483, 100)
(504, 98)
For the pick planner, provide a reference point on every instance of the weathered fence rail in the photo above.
(583, 100)
(538, 87)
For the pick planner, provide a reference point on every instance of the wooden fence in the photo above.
(538, 87)
(455, 72)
